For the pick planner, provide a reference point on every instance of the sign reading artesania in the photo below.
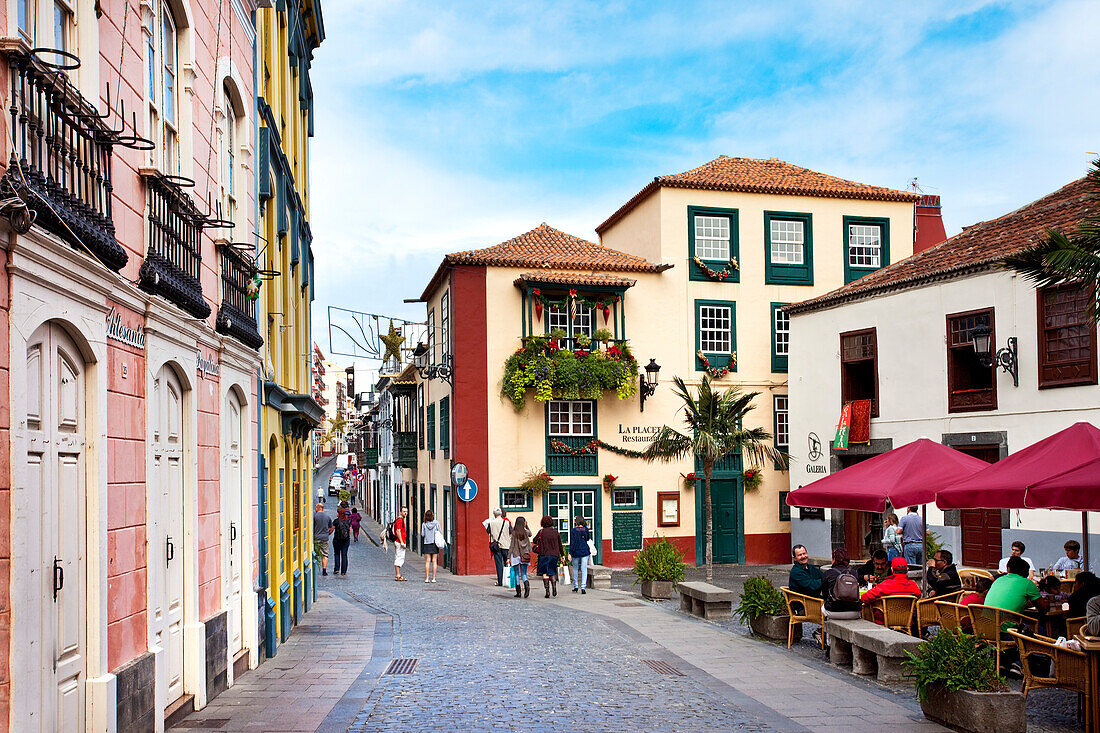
(206, 367)
(119, 331)
(638, 433)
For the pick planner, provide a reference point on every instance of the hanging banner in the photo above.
(843, 427)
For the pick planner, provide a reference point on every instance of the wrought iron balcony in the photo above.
(370, 457)
(404, 449)
(237, 314)
(60, 165)
(174, 257)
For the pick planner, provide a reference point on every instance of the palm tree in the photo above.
(714, 431)
(1064, 258)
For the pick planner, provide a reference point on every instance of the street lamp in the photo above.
(647, 384)
(981, 337)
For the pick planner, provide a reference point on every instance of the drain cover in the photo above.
(663, 667)
(401, 666)
(451, 618)
(208, 724)
(628, 604)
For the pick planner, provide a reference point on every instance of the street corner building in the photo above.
(952, 346)
(548, 356)
(129, 525)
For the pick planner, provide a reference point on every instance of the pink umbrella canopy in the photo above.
(1077, 489)
(1004, 485)
(907, 476)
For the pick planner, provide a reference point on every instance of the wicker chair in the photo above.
(1067, 585)
(987, 621)
(952, 615)
(928, 613)
(1074, 626)
(1068, 668)
(897, 612)
(969, 577)
(811, 612)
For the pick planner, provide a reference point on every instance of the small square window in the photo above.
(570, 417)
(787, 239)
(714, 329)
(867, 246)
(712, 237)
(515, 500)
(629, 497)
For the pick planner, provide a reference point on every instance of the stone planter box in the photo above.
(657, 590)
(774, 627)
(965, 710)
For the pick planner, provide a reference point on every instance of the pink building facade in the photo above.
(128, 514)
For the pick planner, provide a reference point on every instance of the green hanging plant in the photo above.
(556, 373)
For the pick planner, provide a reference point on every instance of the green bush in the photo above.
(932, 544)
(955, 661)
(659, 560)
(760, 598)
(555, 373)
(344, 495)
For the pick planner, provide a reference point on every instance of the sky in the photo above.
(444, 126)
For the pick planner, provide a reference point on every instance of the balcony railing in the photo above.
(60, 162)
(404, 449)
(237, 314)
(174, 257)
(370, 457)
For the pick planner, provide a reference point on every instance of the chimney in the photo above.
(928, 230)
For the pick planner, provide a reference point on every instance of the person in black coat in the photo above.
(835, 607)
(943, 576)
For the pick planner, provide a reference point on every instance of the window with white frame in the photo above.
(162, 48)
(558, 318)
(229, 158)
(788, 239)
(25, 12)
(712, 237)
(715, 326)
(64, 26)
(571, 417)
(782, 328)
(864, 245)
(782, 422)
(431, 337)
(445, 321)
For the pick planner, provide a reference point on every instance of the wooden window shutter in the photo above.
(1066, 336)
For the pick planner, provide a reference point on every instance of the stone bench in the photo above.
(599, 576)
(869, 648)
(706, 600)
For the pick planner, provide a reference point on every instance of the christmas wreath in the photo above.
(718, 275)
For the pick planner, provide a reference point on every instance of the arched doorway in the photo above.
(55, 432)
(233, 503)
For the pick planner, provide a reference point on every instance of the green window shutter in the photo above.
(283, 185)
(445, 426)
(560, 461)
(293, 231)
(856, 270)
(312, 280)
(307, 256)
(263, 164)
(781, 339)
(781, 267)
(431, 430)
(731, 218)
(726, 310)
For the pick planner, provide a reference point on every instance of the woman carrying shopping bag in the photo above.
(579, 549)
(519, 554)
(547, 546)
(429, 528)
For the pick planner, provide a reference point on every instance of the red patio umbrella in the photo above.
(907, 476)
(1077, 489)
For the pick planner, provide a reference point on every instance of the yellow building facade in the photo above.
(287, 35)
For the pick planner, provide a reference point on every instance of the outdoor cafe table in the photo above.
(1090, 645)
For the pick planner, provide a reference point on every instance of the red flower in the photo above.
(691, 476)
(572, 293)
(580, 353)
(536, 292)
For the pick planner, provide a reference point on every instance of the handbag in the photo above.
(440, 542)
(494, 545)
(592, 549)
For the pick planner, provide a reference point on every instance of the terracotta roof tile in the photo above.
(574, 278)
(548, 247)
(759, 175)
(978, 247)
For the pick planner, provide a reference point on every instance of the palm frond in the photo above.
(667, 445)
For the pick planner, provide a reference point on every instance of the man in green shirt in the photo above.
(1013, 591)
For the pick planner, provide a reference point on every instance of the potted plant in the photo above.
(958, 685)
(609, 482)
(753, 477)
(658, 565)
(762, 607)
(536, 480)
(689, 480)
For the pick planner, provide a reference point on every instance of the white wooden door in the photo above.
(166, 544)
(55, 457)
(233, 501)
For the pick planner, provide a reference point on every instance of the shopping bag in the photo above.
(440, 542)
(510, 577)
(563, 574)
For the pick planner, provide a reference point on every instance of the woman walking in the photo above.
(548, 547)
(356, 522)
(580, 552)
(891, 537)
(341, 538)
(519, 554)
(428, 529)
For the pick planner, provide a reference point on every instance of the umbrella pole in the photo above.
(923, 549)
(1085, 540)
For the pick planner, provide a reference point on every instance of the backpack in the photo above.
(391, 533)
(343, 530)
(846, 588)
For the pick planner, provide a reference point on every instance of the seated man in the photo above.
(804, 578)
(874, 570)
(943, 577)
(1072, 559)
(1086, 586)
(1016, 551)
(1013, 591)
(895, 584)
(1092, 618)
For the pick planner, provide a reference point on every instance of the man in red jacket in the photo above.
(897, 583)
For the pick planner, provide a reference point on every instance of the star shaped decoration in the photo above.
(393, 341)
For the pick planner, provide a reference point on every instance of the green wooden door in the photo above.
(728, 502)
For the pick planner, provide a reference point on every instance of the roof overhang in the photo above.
(588, 281)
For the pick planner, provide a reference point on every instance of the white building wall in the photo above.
(912, 372)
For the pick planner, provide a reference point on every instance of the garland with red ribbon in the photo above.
(720, 372)
(572, 303)
(560, 447)
(718, 275)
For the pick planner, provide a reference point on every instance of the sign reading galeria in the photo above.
(123, 333)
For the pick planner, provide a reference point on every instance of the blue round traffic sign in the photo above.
(468, 490)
